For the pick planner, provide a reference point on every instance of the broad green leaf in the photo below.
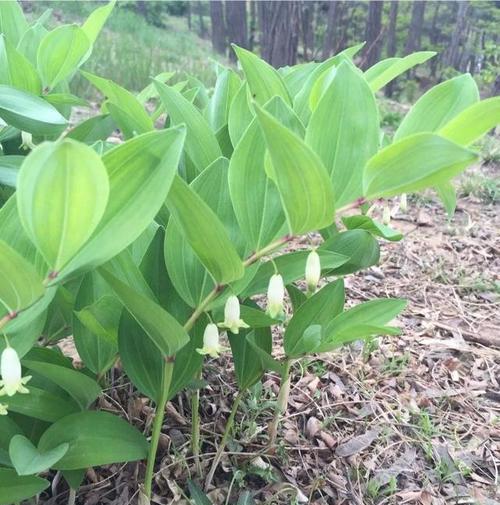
(344, 131)
(14, 488)
(8, 430)
(28, 460)
(197, 495)
(227, 85)
(448, 195)
(473, 122)
(166, 333)
(438, 106)
(240, 114)
(297, 296)
(94, 438)
(201, 145)
(204, 232)
(295, 76)
(93, 129)
(128, 112)
(60, 53)
(9, 168)
(42, 405)
(29, 112)
(62, 194)
(94, 23)
(358, 248)
(361, 321)
(30, 41)
(81, 388)
(16, 70)
(60, 99)
(140, 173)
(20, 284)
(378, 79)
(263, 80)
(316, 311)
(12, 21)
(266, 359)
(414, 163)
(374, 227)
(302, 180)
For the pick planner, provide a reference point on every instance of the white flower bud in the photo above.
(386, 216)
(403, 203)
(10, 369)
(211, 345)
(232, 319)
(275, 296)
(3, 409)
(313, 271)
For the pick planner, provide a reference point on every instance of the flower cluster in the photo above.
(12, 381)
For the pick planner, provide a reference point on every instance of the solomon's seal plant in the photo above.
(141, 251)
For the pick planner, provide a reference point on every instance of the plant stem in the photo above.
(157, 424)
(281, 404)
(354, 205)
(223, 442)
(195, 427)
(266, 250)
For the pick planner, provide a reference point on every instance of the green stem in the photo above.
(195, 427)
(223, 442)
(157, 424)
(281, 404)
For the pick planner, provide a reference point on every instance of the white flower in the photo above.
(27, 141)
(211, 345)
(313, 271)
(386, 216)
(403, 203)
(232, 319)
(3, 409)
(10, 369)
(275, 296)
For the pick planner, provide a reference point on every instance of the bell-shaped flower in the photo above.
(313, 271)
(403, 203)
(10, 368)
(275, 296)
(232, 320)
(3, 409)
(211, 345)
(386, 215)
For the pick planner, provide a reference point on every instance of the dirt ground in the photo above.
(413, 419)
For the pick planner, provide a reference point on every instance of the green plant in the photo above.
(147, 250)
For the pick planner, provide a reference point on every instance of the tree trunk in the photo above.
(452, 56)
(279, 27)
(188, 14)
(331, 25)
(203, 31)
(391, 42)
(218, 26)
(416, 24)
(434, 39)
(374, 33)
(307, 19)
(253, 25)
(236, 21)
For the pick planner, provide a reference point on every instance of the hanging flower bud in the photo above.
(3, 409)
(10, 369)
(386, 216)
(232, 320)
(211, 345)
(313, 271)
(27, 141)
(275, 296)
(403, 203)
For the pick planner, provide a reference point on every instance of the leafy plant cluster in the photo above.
(148, 250)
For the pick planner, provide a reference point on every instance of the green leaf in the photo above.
(297, 297)
(302, 335)
(363, 320)
(240, 114)
(140, 173)
(95, 439)
(28, 460)
(448, 195)
(59, 99)
(204, 232)
(414, 163)
(16, 70)
(81, 388)
(13, 488)
(197, 495)
(440, 104)
(305, 188)
(378, 79)
(245, 499)
(166, 333)
(128, 112)
(93, 129)
(9, 168)
(62, 194)
(201, 145)
(226, 87)
(94, 23)
(20, 285)
(344, 131)
(472, 122)
(12, 21)
(30, 41)
(29, 112)
(60, 53)
(374, 227)
(263, 80)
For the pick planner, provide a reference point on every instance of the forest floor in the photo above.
(413, 419)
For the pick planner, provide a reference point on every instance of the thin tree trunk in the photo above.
(415, 33)
(236, 21)
(203, 31)
(279, 27)
(374, 33)
(452, 58)
(331, 25)
(307, 21)
(391, 42)
(434, 39)
(253, 25)
(188, 14)
(218, 26)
